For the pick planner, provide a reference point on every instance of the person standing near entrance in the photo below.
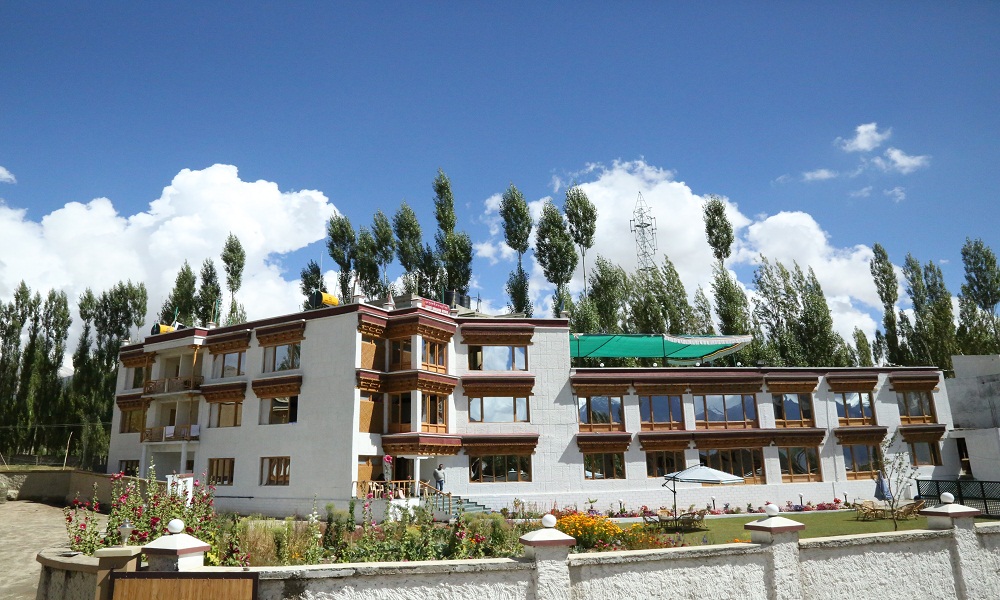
(439, 478)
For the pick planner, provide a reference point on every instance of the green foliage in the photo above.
(366, 266)
(409, 246)
(978, 331)
(888, 291)
(182, 300)
(933, 339)
(730, 303)
(702, 314)
(554, 250)
(342, 247)
(234, 258)
(516, 221)
(209, 299)
(609, 291)
(718, 230)
(311, 281)
(385, 244)
(517, 289)
(454, 249)
(862, 348)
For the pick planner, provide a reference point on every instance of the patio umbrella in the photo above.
(882, 489)
(697, 474)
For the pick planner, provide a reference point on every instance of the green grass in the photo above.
(818, 524)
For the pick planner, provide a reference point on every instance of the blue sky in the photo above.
(826, 127)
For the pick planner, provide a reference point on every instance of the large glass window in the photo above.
(601, 413)
(793, 410)
(659, 464)
(498, 409)
(399, 412)
(400, 355)
(725, 411)
(225, 414)
(799, 464)
(915, 407)
(609, 465)
(925, 453)
(498, 358)
(220, 471)
(275, 470)
(855, 408)
(435, 357)
(230, 364)
(133, 420)
(278, 411)
(661, 412)
(137, 377)
(861, 461)
(281, 358)
(435, 417)
(499, 469)
(747, 463)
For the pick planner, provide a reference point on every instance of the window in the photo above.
(855, 408)
(278, 411)
(498, 358)
(435, 356)
(924, 453)
(400, 355)
(915, 407)
(661, 412)
(499, 469)
(659, 464)
(601, 413)
(137, 377)
(274, 470)
(435, 413)
(129, 467)
(799, 464)
(725, 411)
(793, 410)
(604, 466)
(399, 412)
(281, 358)
(747, 463)
(133, 420)
(220, 471)
(225, 414)
(861, 461)
(234, 363)
(490, 409)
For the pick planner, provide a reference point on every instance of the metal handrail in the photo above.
(435, 497)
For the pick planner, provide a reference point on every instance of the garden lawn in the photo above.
(818, 524)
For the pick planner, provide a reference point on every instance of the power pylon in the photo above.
(643, 225)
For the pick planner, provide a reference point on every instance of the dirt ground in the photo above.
(26, 528)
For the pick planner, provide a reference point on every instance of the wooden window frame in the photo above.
(590, 425)
(851, 463)
(138, 374)
(515, 417)
(215, 414)
(787, 476)
(221, 471)
(291, 412)
(275, 470)
(219, 363)
(933, 449)
(846, 421)
(396, 423)
(780, 400)
(927, 412)
(706, 456)
(606, 459)
(518, 459)
(400, 354)
(656, 423)
(438, 402)
(746, 423)
(270, 357)
(133, 420)
(658, 460)
(479, 350)
(435, 356)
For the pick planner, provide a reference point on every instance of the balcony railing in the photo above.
(171, 433)
(172, 385)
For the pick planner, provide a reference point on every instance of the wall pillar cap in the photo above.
(775, 525)
(179, 544)
(952, 511)
(548, 535)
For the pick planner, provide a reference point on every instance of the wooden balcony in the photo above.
(172, 385)
(171, 433)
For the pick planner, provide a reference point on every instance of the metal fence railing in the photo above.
(981, 495)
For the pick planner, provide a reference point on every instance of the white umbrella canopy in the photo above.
(697, 474)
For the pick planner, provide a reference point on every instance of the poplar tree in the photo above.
(454, 248)
(863, 350)
(234, 258)
(341, 244)
(366, 266)
(730, 301)
(609, 295)
(385, 246)
(888, 291)
(702, 314)
(582, 217)
(409, 246)
(517, 233)
(554, 252)
(980, 295)
(311, 280)
(934, 337)
(182, 304)
(209, 299)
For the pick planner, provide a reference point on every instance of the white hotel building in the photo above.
(282, 412)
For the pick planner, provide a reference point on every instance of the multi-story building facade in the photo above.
(282, 412)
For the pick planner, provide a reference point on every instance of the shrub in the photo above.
(589, 529)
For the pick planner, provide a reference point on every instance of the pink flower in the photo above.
(83, 526)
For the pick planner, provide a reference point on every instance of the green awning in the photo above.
(675, 349)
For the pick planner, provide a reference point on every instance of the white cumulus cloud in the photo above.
(897, 194)
(818, 175)
(862, 193)
(6, 176)
(866, 138)
(897, 160)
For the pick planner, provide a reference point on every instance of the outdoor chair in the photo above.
(866, 511)
(692, 520)
(909, 511)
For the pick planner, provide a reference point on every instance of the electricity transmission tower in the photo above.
(643, 225)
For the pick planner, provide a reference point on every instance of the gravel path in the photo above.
(26, 528)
